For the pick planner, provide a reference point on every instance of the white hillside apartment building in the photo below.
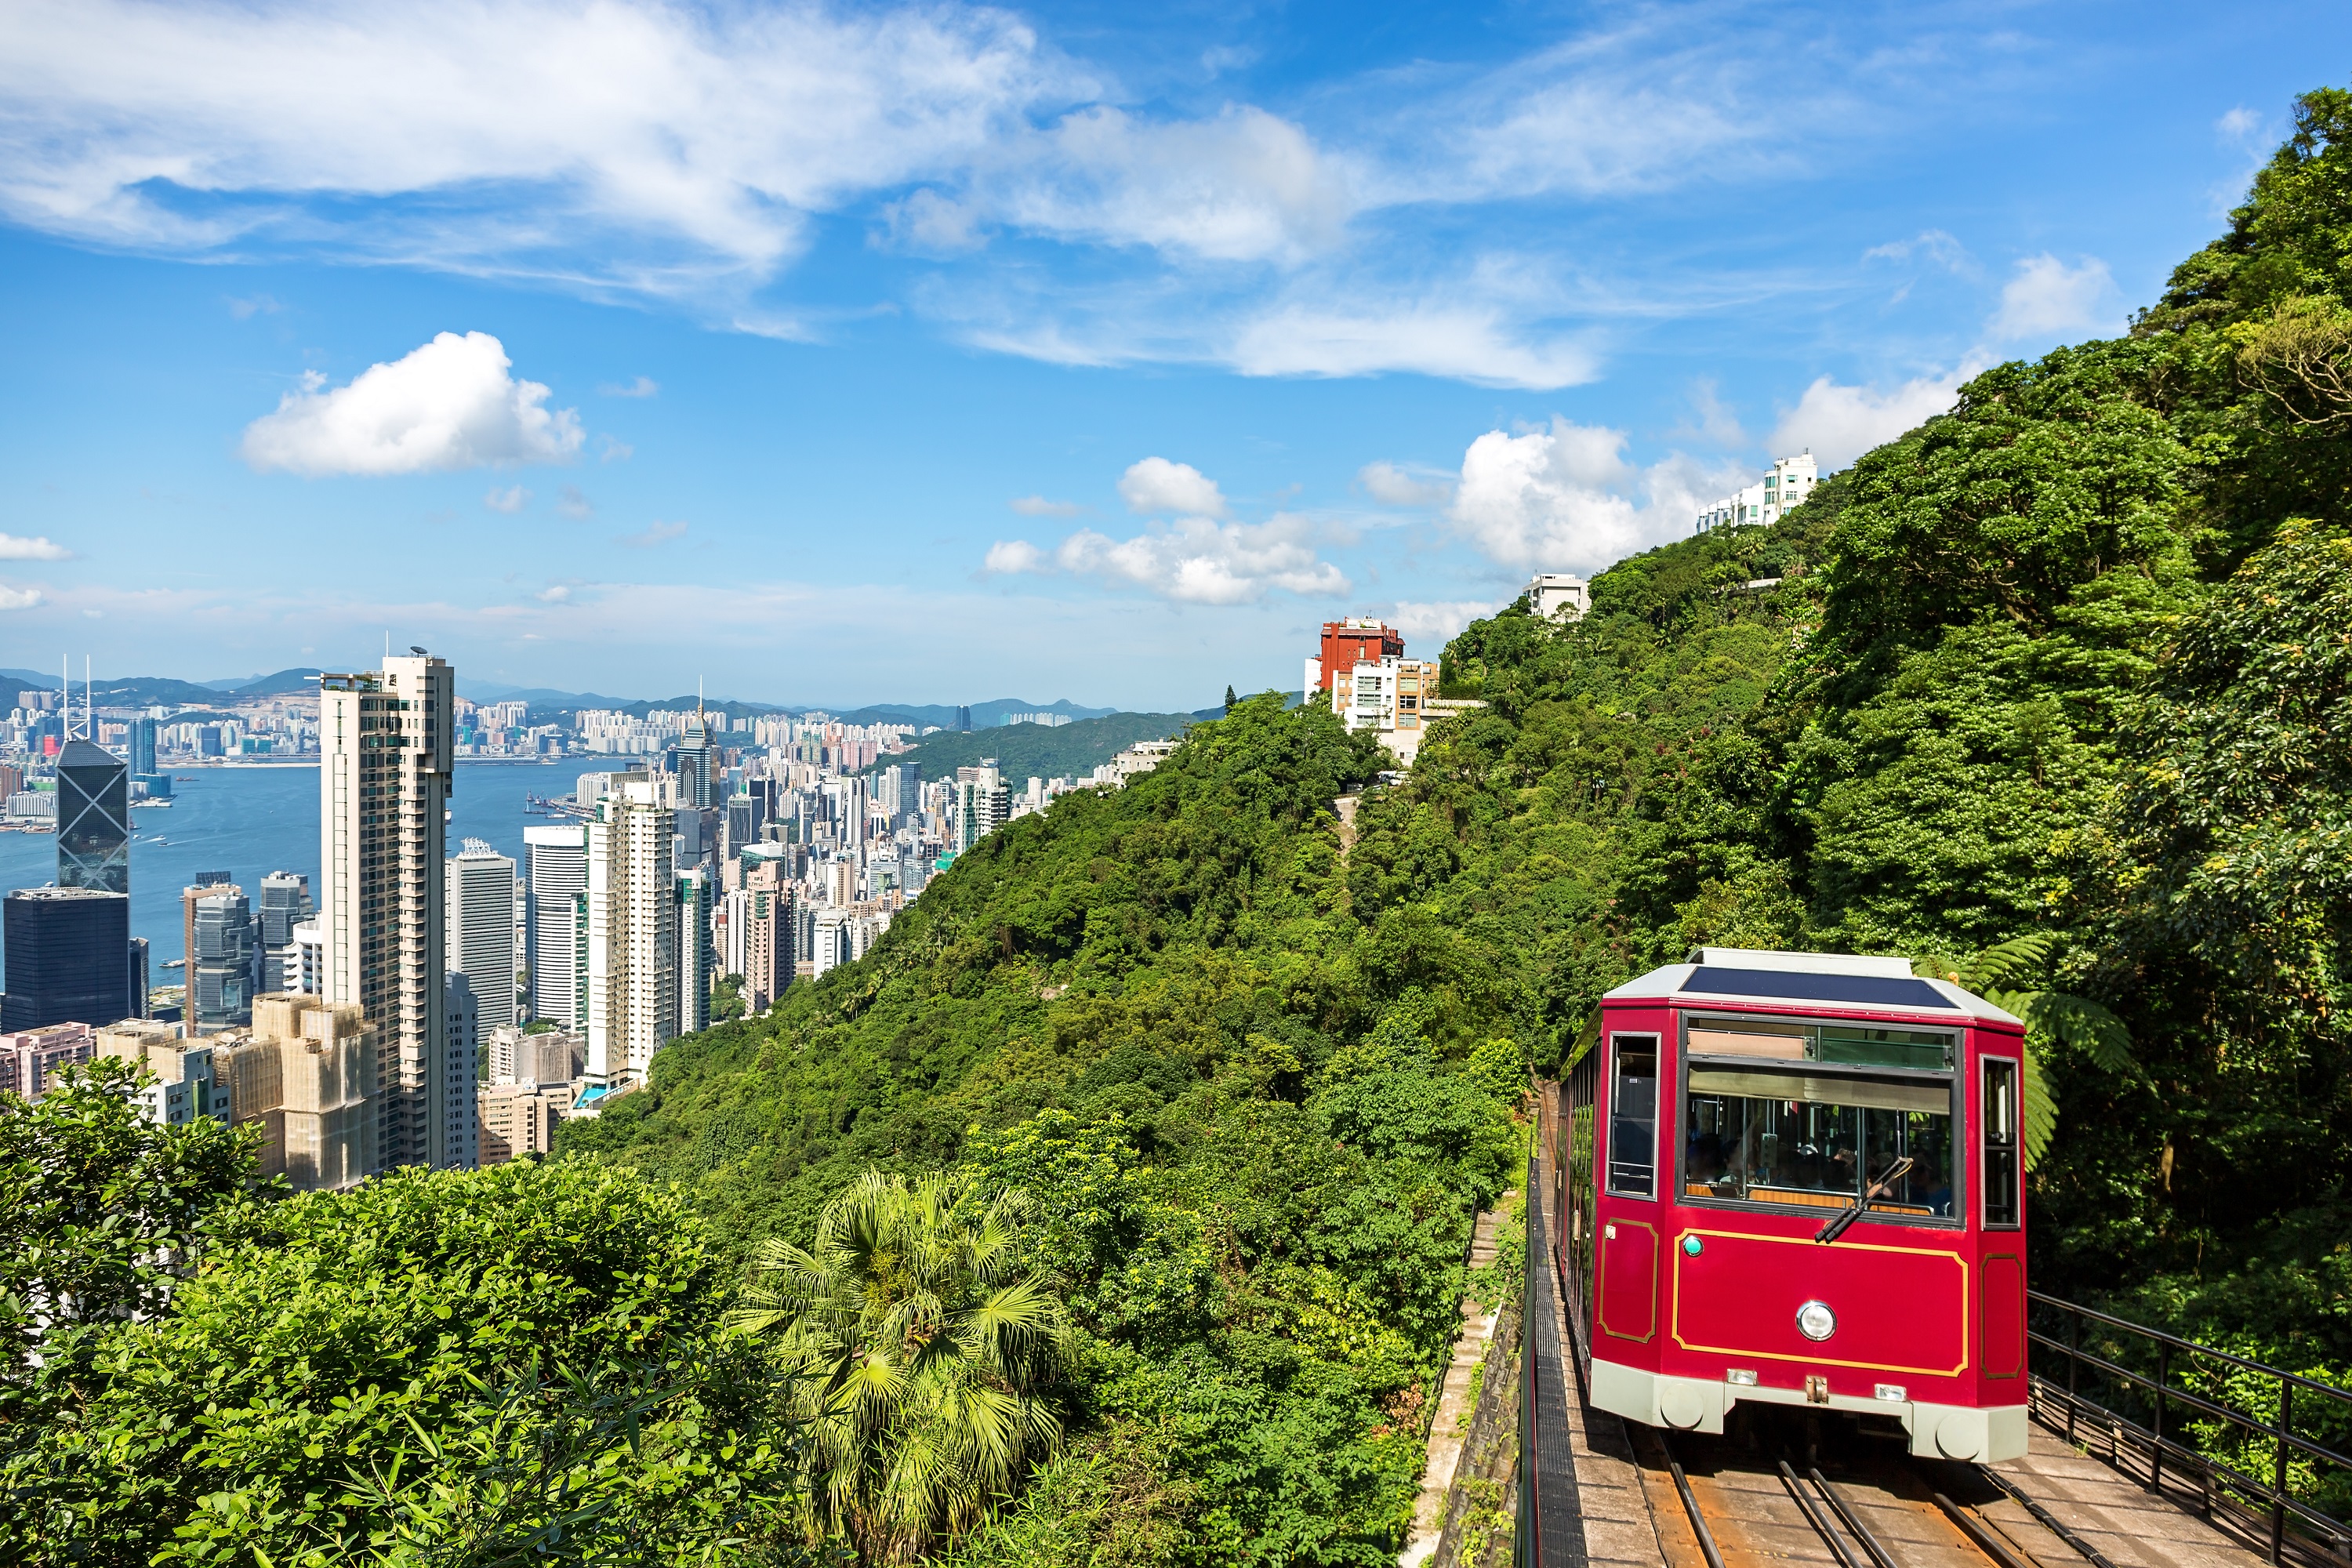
(1790, 482)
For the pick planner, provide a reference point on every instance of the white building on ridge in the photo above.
(1790, 482)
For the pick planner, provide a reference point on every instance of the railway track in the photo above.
(1779, 1490)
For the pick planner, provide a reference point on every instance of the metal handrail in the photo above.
(2162, 1395)
(2176, 1342)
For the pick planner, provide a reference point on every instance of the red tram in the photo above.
(1798, 1179)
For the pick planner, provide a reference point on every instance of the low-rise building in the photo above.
(28, 1057)
(1787, 486)
(1559, 595)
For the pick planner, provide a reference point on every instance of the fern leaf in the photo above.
(2040, 1108)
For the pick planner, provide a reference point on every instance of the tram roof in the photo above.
(1721, 976)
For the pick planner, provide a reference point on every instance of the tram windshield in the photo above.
(1758, 1133)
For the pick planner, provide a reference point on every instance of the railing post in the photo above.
(2073, 1370)
(2278, 1469)
(2156, 1461)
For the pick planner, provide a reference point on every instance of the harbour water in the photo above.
(249, 821)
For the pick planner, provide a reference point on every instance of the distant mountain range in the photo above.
(546, 703)
(143, 690)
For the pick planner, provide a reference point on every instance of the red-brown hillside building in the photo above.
(1351, 642)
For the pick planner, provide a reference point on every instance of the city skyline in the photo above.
(1134, 350)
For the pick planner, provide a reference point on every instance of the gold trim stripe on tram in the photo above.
(1677, 1328)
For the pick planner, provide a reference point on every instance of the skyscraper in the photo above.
(93, 818)
(285, 904)
(143, 747)
(557, 870)
(694, 759)
(481, 931)
(220, 965)
(632, 931)
(694, 889)
(68, 957)
(384, 782)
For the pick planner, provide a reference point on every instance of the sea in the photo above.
(249, 821)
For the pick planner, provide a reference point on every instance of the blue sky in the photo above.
(940, 353)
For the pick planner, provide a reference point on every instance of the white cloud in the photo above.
(1391, 486)
(2049, 300)
(644, 386)
(1244, 186)
(2239, 124)
(1011, 555)
(448, 404)
(1155, 485)
(573, 502)
(653, 534)
(15, 547)
(612, 450)
(1564, 498)
(560, 594)
(1474, 343)
(685, 144)
(1436, 621)
(511, 499)
(18, 598)
(1838, 423)
(1199, 562)
(1038, 506)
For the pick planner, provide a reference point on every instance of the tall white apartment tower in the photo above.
(384, 782)
(557, 872)
(481, 898)
(632, 931)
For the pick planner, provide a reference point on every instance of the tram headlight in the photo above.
(1816, 1322)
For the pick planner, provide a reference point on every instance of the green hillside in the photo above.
(1022, 751)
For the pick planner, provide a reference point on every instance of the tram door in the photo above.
(1572, 1172)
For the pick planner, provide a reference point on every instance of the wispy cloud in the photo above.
(1038, 506)
(573, 502)
(644, 386)
(654, 534)
(511, 499)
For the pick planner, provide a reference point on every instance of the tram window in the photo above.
(1634, 1117)
(2000, 1113)
(1809, 1140)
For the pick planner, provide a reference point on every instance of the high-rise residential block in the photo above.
(632, 931)
(93, 819)
(143, 747)
(68, 957)
(305, 972)
(27, 1057)
(480, 914)
(693, 965)
(557, 873)
(386, 751)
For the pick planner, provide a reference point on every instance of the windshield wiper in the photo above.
(1877, 1189)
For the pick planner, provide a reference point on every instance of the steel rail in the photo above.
(1985, 1541)
(2048, 1520)
(1869, 1543)
(1812, 1517)
(1690, 1505)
